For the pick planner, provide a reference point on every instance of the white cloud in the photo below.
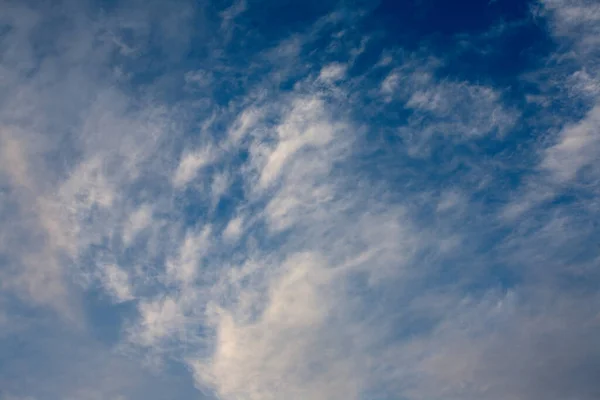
(140, 219)
(14, 160)
(577, 147)
(450, 201)
(578, 19)
(231, 13)
(455, 110)
(158, 319)
(288, 352)
(116, 282)
(304, 126)
(566, 160)
(191, 164)
(244, 123)
(199, 79)
(219, 186)
(389, 84)
(88, 186)
(332, 72)
(33, 240)
(234, 228)
(184, 267)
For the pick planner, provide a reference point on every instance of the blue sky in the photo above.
(260, 200)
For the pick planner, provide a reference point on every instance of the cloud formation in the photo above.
(196, 204)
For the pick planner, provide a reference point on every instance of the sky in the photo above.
(299, 200)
